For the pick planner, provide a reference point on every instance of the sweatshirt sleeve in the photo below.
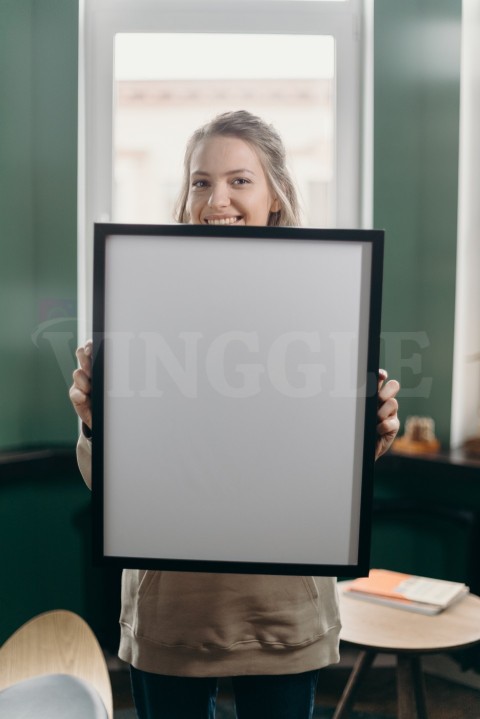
(84, 458)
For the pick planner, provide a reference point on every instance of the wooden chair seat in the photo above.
(56, 643)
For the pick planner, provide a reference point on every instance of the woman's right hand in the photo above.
(80, 391)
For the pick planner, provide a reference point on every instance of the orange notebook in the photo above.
(407, 591)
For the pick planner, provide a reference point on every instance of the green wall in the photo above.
(38, 165)
(45, 515)
(417, 84)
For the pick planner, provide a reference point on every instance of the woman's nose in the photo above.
(219, 196)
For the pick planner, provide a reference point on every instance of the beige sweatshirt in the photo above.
(200, 624)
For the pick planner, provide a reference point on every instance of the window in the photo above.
(314, 99)
(286, 79)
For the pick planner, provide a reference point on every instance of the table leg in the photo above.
(360, 668)
(410, 688)
(419, 687)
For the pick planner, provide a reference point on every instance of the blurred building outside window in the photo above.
(286, 80)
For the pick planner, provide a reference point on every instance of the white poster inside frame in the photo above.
(234, 397)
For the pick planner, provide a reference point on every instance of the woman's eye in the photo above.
(199, 184)
(240, 181)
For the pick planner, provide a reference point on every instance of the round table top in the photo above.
(387, 629)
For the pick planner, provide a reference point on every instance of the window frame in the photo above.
(464, 418)
(349, 22)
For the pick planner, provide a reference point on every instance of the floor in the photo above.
(445, 699)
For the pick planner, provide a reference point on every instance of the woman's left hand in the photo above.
(388, 422)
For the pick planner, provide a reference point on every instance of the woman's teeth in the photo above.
(223, 221)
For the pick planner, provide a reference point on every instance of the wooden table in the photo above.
(374, 629)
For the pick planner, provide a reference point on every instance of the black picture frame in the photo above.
(155, 285)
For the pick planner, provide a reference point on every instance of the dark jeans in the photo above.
(288, 696)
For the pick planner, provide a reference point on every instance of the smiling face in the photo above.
(228, 185)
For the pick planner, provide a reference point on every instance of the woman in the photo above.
(180, 631)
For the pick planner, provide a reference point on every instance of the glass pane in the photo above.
(167, 85)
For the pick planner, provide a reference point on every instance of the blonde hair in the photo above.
(271, 152)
